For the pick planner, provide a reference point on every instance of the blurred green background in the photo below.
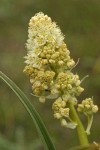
(79, 20)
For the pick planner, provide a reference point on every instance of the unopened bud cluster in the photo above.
(87, 107)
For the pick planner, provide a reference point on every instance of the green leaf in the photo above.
(48, 145)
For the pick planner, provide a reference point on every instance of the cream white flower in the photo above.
(49, 68)
(48, 61)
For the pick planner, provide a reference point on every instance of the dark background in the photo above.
(79, 20)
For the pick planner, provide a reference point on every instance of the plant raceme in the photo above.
(49, 68)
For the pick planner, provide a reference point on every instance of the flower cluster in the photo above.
(60, 110)
(68, 82)
(49, 67)
(87, 107)
(48, 61)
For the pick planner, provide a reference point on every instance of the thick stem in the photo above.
(80, 129)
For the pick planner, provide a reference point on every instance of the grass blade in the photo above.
(48, 145)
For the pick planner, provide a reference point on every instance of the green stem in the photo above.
(90, 121)
(80, 129)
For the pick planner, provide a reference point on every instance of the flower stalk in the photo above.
(90, 121)
(80, 129)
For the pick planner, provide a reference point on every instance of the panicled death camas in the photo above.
(48, 61)
(49, 68)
